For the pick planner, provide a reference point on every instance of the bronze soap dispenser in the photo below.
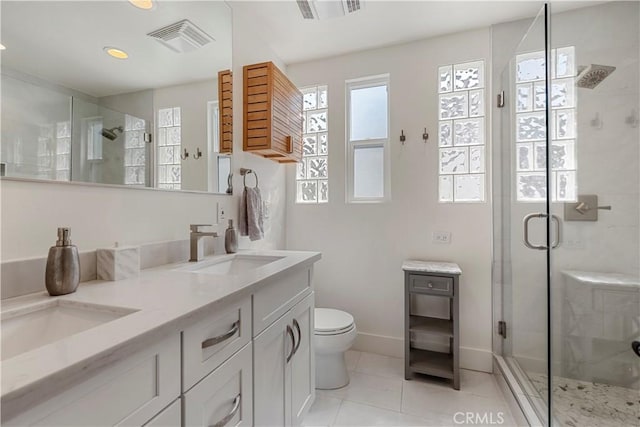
(63, 265)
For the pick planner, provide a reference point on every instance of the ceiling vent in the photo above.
(324, 9)
(183, 36)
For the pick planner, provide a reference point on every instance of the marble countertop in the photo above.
(431, 267)
(162, 300)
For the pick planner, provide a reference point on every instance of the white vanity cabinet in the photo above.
(284, 370)
(212, 340)
(248, 360)
(171, 416)
(128, 393)
(225, 396)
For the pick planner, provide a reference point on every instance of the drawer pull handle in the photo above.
(429, 285)
(293, 342)
(297, 326)
(210, 342)
(236, 406)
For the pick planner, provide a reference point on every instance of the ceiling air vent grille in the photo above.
(324, 9)
(182, 36)
(352, 5)
(305, 8)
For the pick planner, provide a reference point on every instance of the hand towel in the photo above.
(251, 215)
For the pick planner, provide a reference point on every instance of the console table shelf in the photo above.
(440, 280)
(431, 325)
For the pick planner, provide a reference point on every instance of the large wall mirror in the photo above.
(117, 92)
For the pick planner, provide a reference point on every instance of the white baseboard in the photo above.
(379, 344)
(470, 358)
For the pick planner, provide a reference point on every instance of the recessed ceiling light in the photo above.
(116, 53)
(143, 4)
(2, 47)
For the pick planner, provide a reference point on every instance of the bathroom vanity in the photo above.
(225, 341)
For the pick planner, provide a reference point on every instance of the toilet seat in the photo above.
(329, 321)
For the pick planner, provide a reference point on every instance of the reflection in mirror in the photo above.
(159, 118)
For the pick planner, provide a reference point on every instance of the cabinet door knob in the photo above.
(289, 144)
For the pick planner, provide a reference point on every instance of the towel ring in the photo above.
(244, 172)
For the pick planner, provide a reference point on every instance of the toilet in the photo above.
(335, 332)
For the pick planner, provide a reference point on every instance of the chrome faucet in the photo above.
(197, 246)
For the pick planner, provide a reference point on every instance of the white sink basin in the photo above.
(28, 327)
(233, 265)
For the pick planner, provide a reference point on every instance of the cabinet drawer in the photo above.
(213, 340)
(433, 285)
(224, 397)
(129, 392)
(169, 417)
(277, 296)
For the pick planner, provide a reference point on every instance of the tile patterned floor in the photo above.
(378, 395)
(583, 403)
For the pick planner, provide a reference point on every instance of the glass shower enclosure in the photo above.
(567, 212)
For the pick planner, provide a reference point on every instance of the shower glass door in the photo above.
(568, 209)
(594, 168)
(524, 208)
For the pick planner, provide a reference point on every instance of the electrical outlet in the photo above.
(222, 213)
(442, 237)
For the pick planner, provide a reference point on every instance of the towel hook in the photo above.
(198, 154)
(244, 172)
(185, 155)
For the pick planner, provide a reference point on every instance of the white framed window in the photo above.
(94, 138)
(461, 133)
(312, 173)
(368, 162)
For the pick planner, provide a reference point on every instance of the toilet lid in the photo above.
(331, 321)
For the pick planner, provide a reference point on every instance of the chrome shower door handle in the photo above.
(558, 239)
(526, 220)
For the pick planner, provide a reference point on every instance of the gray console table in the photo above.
(438, 279)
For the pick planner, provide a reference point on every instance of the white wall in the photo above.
(363, 245)
(99, 216)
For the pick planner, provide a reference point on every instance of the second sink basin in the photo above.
(28, 327)
(232, 265)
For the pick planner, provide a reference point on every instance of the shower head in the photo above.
(110, 133)
(591, 76)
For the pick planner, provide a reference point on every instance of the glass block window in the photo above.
(135, 153)
(312, 174)
(63, 151)
(368, 177)
(461, 132)
(169, 148)
(531, 127)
